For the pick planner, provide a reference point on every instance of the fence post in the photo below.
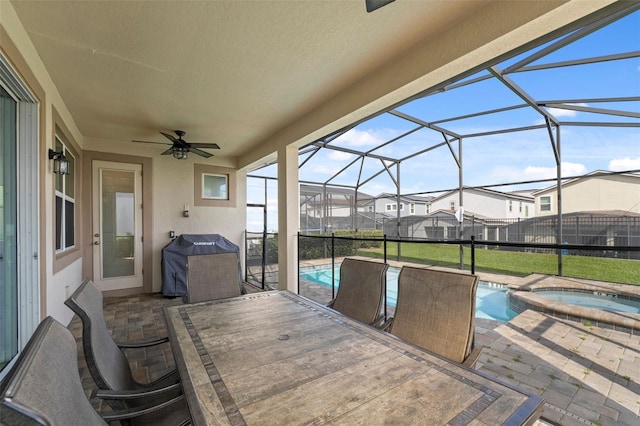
(473, 254)
(384, 250)
(333, 266)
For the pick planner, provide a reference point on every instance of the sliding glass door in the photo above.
(8, 230)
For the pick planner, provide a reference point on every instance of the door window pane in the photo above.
(118, 223)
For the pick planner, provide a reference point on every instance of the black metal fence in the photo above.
(587, 229)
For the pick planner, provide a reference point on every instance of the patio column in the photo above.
(288, 218)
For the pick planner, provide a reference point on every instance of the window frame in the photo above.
(199, 170)
(63, 258)
(65, 199)
(545, 206)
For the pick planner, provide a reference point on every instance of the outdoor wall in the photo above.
(16, 46)
(485, 204)
(594, 193)
(173, 187)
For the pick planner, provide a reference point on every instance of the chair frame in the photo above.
(120, 389)
(408, 312)
(361, 280)
(202, 284)
(48, 341)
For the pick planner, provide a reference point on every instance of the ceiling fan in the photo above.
(180, 148)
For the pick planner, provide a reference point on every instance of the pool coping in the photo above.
(522, 296)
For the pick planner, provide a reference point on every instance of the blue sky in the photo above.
(504, 158)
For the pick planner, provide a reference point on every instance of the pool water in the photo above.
(491, 299)
(606, 302)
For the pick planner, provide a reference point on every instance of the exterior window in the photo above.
(65, 202)
(520, 208)
(392, 207)
(370, 208)
(427, 208)
(452, 205)
(412, 208)
(526, 211)
(215, 186)
(510, 206)
(545, 204)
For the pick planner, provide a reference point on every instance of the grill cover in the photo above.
(174, 258)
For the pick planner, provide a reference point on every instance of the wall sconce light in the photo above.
(60, 162)
(185, 211)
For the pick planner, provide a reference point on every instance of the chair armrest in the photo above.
(386, 325)
(378, 322)
(129, 413)
(142, 343)
(470, 361)
(134, 394)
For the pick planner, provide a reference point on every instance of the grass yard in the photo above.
(516, 263)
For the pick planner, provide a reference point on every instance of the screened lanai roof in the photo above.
(571, 101)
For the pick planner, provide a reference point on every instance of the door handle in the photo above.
(96, 243)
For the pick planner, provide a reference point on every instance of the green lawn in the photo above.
(516, 263)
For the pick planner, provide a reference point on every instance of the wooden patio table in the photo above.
(276, 358)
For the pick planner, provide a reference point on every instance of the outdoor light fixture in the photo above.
(60, 162)
(180, 153)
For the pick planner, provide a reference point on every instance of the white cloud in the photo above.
(340, 156)
(323, 169)
(567, 169)
(355, 137)
(621, 164)
(557, 112)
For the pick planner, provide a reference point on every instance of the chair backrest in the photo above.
(436, 311)
(361, 290)
(212, 276)
(44, 387)
(107, 364)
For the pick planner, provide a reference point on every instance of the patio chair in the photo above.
(212, 276)
(361, 290)
(105, 358)
(44, 387)
(436, 311)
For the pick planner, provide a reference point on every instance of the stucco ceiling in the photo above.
(234, 73)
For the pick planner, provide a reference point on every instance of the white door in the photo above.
(117, 225)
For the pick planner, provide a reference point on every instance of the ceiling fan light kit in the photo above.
(181, 148)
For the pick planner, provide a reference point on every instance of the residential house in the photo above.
(597, 191)
(486, 203)
(390, 205)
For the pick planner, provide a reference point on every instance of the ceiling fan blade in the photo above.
(168, 136)
(205, 145)
(201, 152)
(168, 152)
(372, 5)
(158, 143)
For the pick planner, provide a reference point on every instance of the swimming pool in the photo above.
(598, 300)
(491, 299)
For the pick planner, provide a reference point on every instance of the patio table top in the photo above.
(278, 358)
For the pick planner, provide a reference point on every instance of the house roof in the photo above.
(595, 174)
(506, 195)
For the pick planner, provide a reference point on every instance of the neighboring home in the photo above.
(599, 190)
(409, 205)
(486, 203)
